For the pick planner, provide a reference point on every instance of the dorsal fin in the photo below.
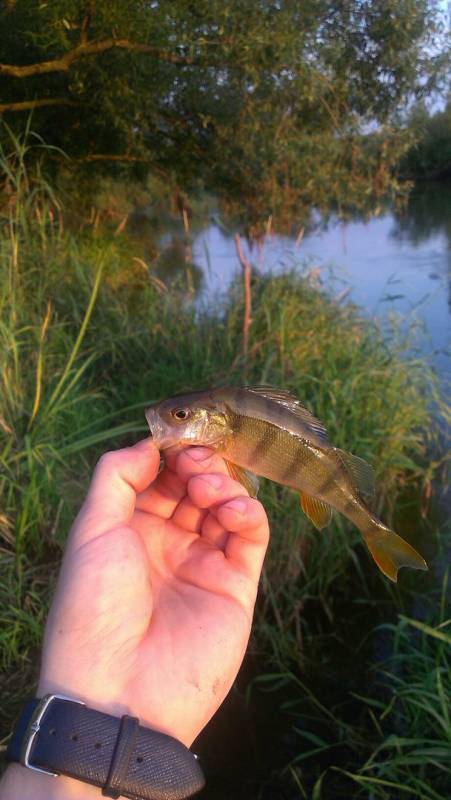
(361, 472)
(284, 398)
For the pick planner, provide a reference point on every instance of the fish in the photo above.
(267, 432)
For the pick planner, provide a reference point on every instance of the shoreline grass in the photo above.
(87, 340)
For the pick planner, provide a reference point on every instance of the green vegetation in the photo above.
(397, 742)
(272, 109)
(276, 107)
(87, 340)
(430, 156)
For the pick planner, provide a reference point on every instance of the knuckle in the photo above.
(108, 460)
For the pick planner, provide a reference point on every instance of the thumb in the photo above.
(118, 477)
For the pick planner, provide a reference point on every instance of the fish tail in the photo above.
(390, 552)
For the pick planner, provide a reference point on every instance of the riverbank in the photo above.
(88, 339)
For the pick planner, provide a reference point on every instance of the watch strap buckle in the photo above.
(34, 726)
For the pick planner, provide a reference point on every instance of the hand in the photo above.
(154, 603)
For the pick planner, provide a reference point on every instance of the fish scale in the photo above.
(286, 459)
(279, 456)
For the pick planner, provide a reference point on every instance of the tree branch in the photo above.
(84, 29)
(27, 105)
(106, 157)
(84, 49)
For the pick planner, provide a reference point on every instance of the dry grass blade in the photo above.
(39, 366)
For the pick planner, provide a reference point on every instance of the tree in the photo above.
(276, 105)
(430, 155)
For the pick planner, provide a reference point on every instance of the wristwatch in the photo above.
(58, 735)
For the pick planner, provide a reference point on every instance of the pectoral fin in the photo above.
(316, 510)
(243, 476)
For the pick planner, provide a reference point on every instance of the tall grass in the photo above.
(390, 736)
(398, 743)
(87, 339)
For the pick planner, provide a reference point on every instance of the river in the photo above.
(397, 262)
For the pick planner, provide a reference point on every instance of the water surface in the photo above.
(399, 261)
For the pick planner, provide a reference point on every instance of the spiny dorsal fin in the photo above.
(243, 476)
(292, 404)
(316, 510)
(361, 472)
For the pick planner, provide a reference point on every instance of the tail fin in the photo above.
(390, 552)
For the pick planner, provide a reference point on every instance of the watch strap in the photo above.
(58, 735)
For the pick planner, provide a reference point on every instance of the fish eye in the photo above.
(181, 413)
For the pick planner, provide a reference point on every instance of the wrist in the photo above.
(58, 736)
(177, 728)
(20, 783)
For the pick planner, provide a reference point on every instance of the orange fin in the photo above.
(390, 553)
(316, 510)
(243, 476)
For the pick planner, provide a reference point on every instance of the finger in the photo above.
(196, 460)
(163, 496)
(189, 516)
(212, 531)
(209, 490)
(246, 520)
(118, 477)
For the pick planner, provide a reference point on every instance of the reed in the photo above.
(87, 340)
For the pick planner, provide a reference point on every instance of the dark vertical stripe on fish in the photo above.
(349, 506)
(239, 423)
(298, 462)
(263, 446)
(330, 481)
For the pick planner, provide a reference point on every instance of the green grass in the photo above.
(87, 340)
(414, 751)
(370, 727)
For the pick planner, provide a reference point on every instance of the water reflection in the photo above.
(165, 235)
(399, 261)
(428, 214)
(175, 263)
(393, 262)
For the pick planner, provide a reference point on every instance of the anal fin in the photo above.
(316, 510)
(243, 476)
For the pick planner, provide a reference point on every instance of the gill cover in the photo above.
(191, 419)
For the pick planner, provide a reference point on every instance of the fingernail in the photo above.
(199, 453)
(240, 506)
(212, 480)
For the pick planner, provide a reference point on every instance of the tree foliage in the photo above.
(276, 105)
(430, 155)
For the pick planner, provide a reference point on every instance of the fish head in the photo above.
(187, 419)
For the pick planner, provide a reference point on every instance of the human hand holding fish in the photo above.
(155, 598)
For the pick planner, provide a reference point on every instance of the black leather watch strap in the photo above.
(61, 736)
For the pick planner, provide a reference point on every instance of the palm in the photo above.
(166, 601)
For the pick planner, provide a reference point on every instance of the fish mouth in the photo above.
(161, 437)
